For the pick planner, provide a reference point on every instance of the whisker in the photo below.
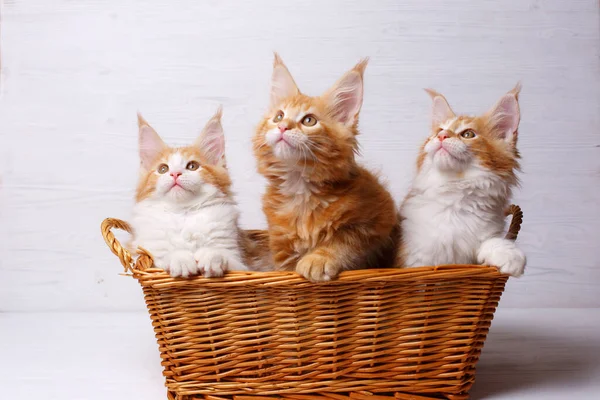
(261, 146)
(303, 148)
(315, 147)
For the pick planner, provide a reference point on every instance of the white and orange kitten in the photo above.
(455, 210)
(184, 214)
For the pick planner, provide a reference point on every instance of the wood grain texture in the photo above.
(75, 73)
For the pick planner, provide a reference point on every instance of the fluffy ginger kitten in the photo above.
(455, 210)
(325, 213)
(184, 214)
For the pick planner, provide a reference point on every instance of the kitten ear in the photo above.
(346, 96)
(212, 140)
(504, 117)
(150, 144)
(441, 111)
(282, 83)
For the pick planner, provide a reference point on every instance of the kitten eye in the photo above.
(162, 168)
(309, 120)
(278, 116)
(468, 134)
(192, 166)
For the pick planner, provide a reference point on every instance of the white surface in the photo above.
(114, 356)
(74, 73)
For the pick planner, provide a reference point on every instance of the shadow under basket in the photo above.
(413, 333)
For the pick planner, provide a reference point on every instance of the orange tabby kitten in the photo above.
(325, 212)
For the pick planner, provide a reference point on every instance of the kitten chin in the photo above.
(325, 212)
(466, 170)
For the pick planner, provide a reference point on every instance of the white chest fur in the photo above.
(162, 228)
(445, 220)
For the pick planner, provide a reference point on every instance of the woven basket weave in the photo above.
(411, 333)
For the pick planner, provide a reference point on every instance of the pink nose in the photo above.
(442, 136)
(282, 128)
(175, 175)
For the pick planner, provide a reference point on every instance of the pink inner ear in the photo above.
(214, 149)
(212, 142)
(151, 145)
(505, 116)
(441, 111)
(282, 85)
(345, 99)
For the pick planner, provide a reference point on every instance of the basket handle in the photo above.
(144, 260)
(515, 223)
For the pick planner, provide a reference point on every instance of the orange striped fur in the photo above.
(325, 212)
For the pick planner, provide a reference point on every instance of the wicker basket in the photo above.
(372, 334)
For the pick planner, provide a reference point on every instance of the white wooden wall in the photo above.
(74, 73)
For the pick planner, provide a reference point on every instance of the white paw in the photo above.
(161, 263)
(210, 263)
(504, 255)
(182, 263)
(215, 262)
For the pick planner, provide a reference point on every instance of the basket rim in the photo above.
(158, 278)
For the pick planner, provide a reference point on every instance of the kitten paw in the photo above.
(504, 255)
(161, 263)
(182, 264)
(214, 263)
(318, 268)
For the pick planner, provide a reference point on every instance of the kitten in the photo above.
(455, 210)
(185, 215)
(325, 212)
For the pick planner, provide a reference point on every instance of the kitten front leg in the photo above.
(504, 254)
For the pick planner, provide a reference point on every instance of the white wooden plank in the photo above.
(75, 73)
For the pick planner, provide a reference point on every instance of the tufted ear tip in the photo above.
(432, 93)
(516, 91)
(219, 113)
(141, 121)
(277, 59)
(362, 66)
